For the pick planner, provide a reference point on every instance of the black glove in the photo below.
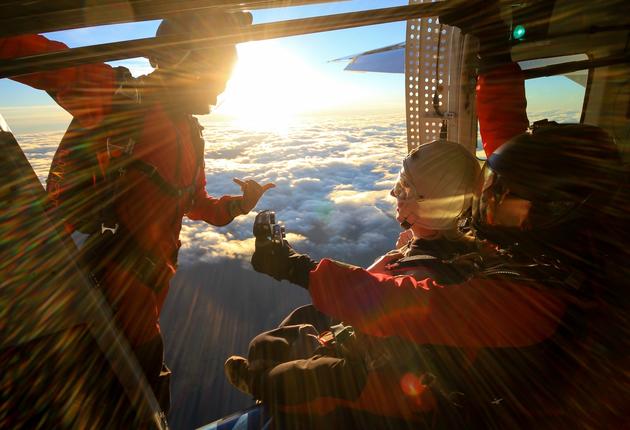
(282, 262)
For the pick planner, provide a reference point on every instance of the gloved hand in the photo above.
(282, 262)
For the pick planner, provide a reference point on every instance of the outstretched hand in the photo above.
(252, 192)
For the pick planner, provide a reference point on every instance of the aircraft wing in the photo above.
(580, 77)
(389, 59)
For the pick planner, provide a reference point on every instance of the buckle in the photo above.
(113, 230)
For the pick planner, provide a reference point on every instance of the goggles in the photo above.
(404, 188)
(496, 204)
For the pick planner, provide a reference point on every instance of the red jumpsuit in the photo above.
(152, 217)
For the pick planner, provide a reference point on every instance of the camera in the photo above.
(265, 227)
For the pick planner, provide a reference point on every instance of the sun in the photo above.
(270, 87)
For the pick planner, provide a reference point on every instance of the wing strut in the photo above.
(42, 16)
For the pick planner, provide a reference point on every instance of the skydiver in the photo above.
(132, 249)
(525, 318)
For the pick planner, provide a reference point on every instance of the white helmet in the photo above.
(440, 176)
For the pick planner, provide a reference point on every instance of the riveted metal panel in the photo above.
(432, 75)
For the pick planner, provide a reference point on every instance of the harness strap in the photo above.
(415, 260)
(152, 173)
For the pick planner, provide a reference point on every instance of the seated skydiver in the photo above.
(433, 190)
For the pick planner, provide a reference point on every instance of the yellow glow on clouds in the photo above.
(364, 198)
(270, 86)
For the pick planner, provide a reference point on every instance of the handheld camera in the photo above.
(265, 227)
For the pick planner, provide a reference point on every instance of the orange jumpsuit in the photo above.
(152, 217)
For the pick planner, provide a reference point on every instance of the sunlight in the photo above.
(271, 87)
(265, 92)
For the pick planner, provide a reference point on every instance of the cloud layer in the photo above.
(332, 180)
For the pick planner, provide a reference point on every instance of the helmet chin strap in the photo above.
(405, 224)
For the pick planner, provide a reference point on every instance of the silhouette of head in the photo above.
(194, 75)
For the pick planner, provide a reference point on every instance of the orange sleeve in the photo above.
(215, 211)
(84, 91)
(477, 313)
(501, 106)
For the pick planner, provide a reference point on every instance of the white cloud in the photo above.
(332, 181)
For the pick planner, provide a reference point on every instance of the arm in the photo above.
(218, 212)
(478, 313)
(222, 211)
(501, 99)
(84, 91)
(501, 105)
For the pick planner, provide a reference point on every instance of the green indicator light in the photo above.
(518, 32)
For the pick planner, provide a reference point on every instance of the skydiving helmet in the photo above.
(435, 185)
(199, 26)
(544, 181)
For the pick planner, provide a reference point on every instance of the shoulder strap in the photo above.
(196, 136)
(415, 260)
(122, 129)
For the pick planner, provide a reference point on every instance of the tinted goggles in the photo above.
(404, 188)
